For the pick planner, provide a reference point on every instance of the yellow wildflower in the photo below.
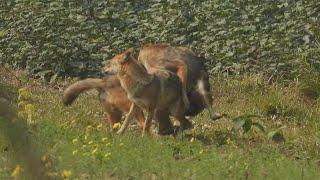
(116, 126)
(89, 127)
(201, 151)
(192, 139)
(231, 155)
(23, 94)
(107, 155)
(73, 121)
(74, 141)
(30, 120)
(229, 141)
(65, 174)
(22, 90)
(93, 152)
(99, 127)
(29, 108)
(104, 139)
(17, 170)
(20, 114)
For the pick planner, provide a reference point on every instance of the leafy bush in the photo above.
(75, 37)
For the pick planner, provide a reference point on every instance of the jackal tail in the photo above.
(73, 91)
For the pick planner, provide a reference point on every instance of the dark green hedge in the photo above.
(73, 37)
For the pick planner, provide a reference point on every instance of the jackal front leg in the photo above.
(129, 117)
(147, 123)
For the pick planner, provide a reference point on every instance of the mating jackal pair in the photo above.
(151, 85)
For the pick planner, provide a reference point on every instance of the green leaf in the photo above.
(244, 121)
(238, 124)
(259, 126)
(246, 116)
(276, 135)
(53, 78)
(247, 125)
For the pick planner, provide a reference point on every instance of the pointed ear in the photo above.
(126, 57)
(128, 53)
(131, 51)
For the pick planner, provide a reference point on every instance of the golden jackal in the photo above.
(160, 91)
(114, 101)
(188, 67)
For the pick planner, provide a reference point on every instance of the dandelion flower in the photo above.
(229, 141)
(74, 141)
(231, 155)
(93, 152)
(73, 121)
(99, 127)
(29, 108)
(89, 127)
(66, 174)
(116, 126)
(104, 139)
(17, 170)
(192, 139)
(107, 155)
(201, 151)
(23, 94)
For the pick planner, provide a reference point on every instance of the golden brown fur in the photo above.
(113, 98)
(114, 101)
(188, 67)
(160, 91)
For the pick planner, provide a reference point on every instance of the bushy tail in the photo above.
(73, 91)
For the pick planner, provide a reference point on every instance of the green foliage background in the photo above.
(74, 37)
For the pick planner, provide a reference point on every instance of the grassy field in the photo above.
(74, 142)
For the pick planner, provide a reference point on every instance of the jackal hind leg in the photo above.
(182, 74)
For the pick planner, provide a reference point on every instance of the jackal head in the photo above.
(114, 65)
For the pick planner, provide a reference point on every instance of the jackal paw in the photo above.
(166, 131)
(176, 130)
(217, 116)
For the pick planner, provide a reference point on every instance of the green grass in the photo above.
(211, 151)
